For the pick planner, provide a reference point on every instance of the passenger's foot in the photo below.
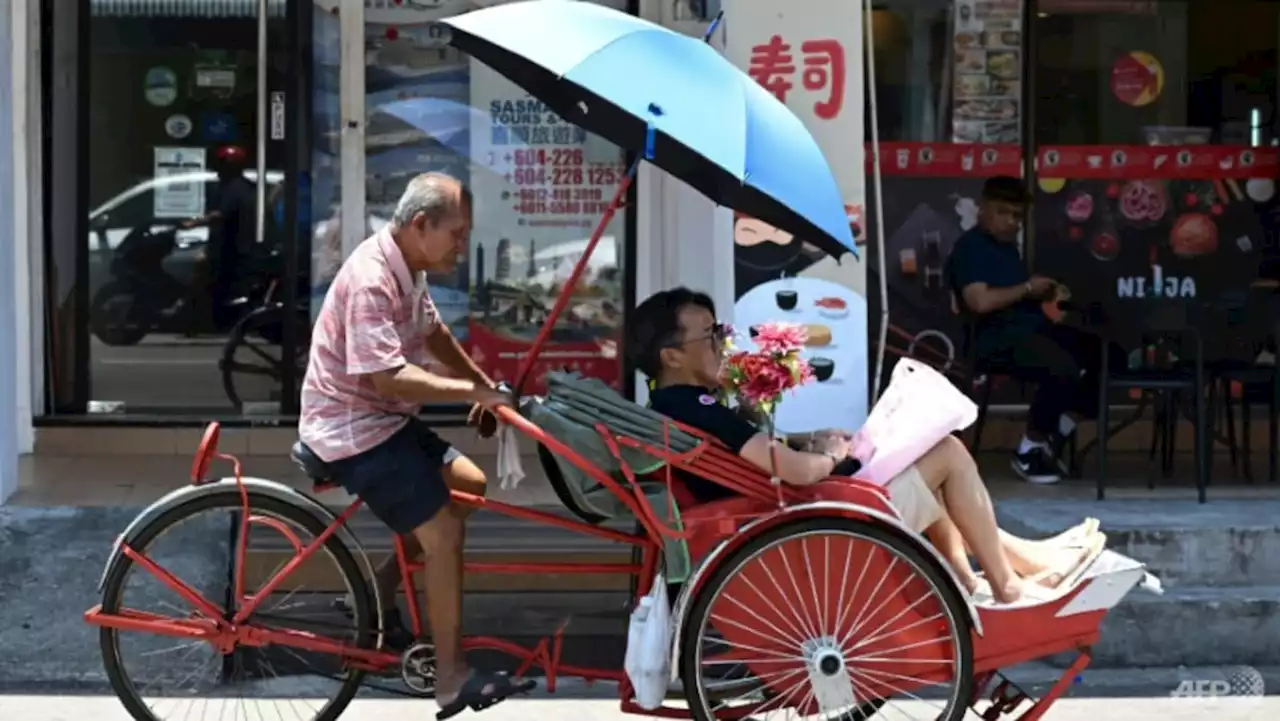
(477, 691)
(970, 582)
(1037, 466)
(1010, 592)
(1068, 570)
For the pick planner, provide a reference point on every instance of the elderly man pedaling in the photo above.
(374, 349)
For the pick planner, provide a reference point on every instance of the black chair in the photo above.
(1251, 324)
(1170, 334)
(977, 375)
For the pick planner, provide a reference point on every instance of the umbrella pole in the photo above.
(566, 293)
(878, 189)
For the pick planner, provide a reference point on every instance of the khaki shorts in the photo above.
(913, 499)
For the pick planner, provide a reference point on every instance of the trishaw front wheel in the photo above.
(833, 618)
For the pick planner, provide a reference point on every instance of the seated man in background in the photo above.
(990, 281)
(676, 341)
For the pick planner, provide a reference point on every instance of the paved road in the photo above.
(99, 708)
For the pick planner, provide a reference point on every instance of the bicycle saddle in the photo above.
(311, 464)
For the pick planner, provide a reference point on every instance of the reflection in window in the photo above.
(911, 56)
(540, 187)
(1158, 73)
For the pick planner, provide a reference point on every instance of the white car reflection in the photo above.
(111, 222)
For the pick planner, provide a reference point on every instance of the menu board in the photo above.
(987, 92)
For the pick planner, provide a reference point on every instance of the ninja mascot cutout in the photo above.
(763, 253)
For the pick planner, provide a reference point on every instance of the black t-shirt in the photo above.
(699, 408)
(978, 257)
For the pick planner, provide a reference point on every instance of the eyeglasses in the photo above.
(717, 335)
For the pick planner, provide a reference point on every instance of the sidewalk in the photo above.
(574, 701)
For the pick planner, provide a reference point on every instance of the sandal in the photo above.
(472, 694)
(1067, 578)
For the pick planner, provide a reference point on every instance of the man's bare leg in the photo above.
(441, 540)
(460, 475)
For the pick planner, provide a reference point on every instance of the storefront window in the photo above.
(1156, 73)
(949, 86)
(176, 259)
(1156, 132)
(911, 42)
(540, 187)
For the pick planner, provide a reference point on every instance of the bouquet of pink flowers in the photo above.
(758, 379)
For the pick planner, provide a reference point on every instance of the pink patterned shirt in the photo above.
(366, 325)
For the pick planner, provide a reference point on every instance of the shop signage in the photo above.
(1157, 285)
(1120, 162)
(541, 184)
(403, 12)
(987, 42)
(161, 87)
(1137, 78)
(178, 126)
(179, 198)
(808, 53)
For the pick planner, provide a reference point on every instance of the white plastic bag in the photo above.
(919, 408)
(648, 658)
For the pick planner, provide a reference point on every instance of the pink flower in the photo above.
(780, 338)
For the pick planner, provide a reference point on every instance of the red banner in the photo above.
(1118, 162)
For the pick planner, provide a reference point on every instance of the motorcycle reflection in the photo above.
(143, 296)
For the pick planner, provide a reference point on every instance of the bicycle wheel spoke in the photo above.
(847, 646)
(193, 679)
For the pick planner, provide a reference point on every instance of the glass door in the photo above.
(188, 195)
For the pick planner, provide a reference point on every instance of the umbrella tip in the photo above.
(655, 110)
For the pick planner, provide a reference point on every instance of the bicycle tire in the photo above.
(230, 498)
(254, 322)
(112, 331)
(703, 707)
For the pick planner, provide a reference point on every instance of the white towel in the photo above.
(510, 472)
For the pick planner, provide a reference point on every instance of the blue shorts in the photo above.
(402, 479)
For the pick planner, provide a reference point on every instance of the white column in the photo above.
(8, 309)
(351, 98)
(28, 233)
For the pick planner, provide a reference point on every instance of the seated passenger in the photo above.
(675, 340)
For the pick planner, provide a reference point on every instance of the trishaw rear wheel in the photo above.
(834, 618)
(156, 688)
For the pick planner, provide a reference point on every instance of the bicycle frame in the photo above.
(225, 634)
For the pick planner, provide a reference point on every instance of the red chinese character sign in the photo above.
(809, 56)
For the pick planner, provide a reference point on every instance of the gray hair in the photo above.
(431, 194)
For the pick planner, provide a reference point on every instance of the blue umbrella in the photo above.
(670, 97)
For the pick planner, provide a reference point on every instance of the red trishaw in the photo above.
(813, 602)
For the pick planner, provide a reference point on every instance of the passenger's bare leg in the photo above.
(949, 469)
(944, 535)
